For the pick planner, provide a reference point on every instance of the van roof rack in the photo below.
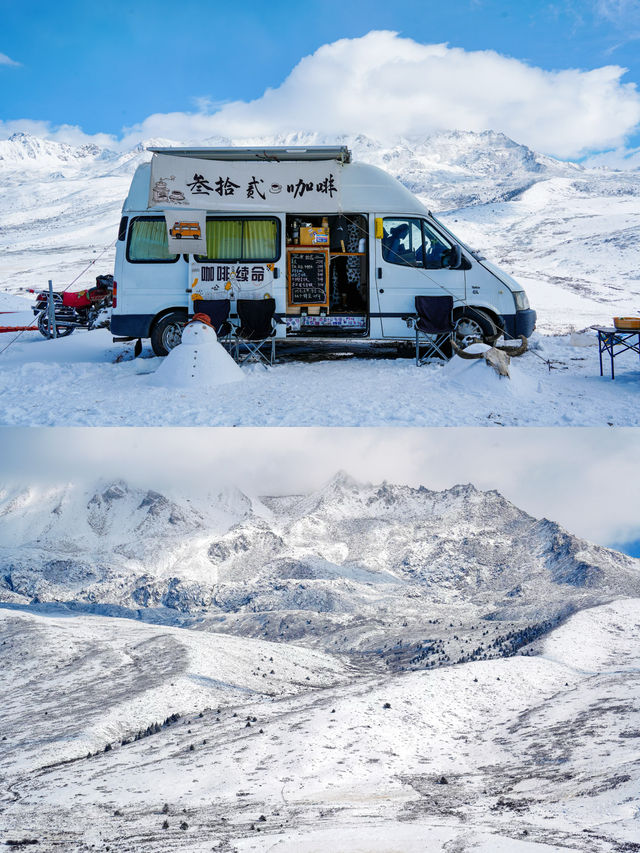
(273, 154)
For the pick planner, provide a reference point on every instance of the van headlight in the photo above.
(520, 297)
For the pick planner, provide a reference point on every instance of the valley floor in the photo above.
(86, 380)
(281, 748)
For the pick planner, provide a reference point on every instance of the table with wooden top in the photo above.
(615, 341)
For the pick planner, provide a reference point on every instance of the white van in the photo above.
(343, 248)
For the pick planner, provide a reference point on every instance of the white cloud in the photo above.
(621, 12)
(623, 16)
(6, 60)
(619, 158)
(386, 86)
(68, 133)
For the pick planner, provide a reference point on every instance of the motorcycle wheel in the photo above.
(45, 330)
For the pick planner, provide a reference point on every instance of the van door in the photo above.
(152, 279)
(411, 259)
(244, 259)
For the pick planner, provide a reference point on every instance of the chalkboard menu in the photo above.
(308, 277)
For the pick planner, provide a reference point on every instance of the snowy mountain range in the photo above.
(364, 667)
(438, 167)
(569, 233)
(339, 566)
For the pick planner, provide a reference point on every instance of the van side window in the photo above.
(148, 241)
(241, 240)
(413, 243)
(401, 241)
(436, 250)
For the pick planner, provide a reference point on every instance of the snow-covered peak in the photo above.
(341, 485)
(343, 497)
(76, 519)
(26, 149)
(342, 548)
(486, 152)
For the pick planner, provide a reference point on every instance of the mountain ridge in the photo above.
(345, 559)
(434, 166)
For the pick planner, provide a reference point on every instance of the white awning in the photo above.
(265, 155)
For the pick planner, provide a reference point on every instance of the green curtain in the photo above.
(260, 239)
(149, 241)
(224, 239)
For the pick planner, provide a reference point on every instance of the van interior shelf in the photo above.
(335, 253)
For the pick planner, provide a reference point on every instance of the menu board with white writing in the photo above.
(308, 277)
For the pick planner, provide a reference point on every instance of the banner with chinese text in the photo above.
(232, 185)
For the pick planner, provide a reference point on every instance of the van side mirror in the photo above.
(455, 257)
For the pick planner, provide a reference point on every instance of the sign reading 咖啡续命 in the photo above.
(236, 185)
(230, 281)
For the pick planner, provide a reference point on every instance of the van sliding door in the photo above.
(411, 260)
(243, 260)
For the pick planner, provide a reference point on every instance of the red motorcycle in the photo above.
(85, 309)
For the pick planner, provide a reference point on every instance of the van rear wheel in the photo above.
(471, 325)
(167, 332)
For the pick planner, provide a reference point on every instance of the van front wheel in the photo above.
(471, 325)
(167, 332)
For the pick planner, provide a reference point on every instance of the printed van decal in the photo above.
(186, 231)
(231, 281)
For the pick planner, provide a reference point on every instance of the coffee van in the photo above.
(343, 247)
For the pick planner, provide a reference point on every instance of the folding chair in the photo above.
(435, 323)
(256, 334)
(217, 310)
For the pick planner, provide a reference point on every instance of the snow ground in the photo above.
(572, 244)
(86, 380)
(539, 753)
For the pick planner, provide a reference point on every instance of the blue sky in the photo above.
(631, 548)
(109, 65)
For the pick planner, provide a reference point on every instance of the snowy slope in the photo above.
(365, 667)
(523, 754)
(570, 234)
(153, 673)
